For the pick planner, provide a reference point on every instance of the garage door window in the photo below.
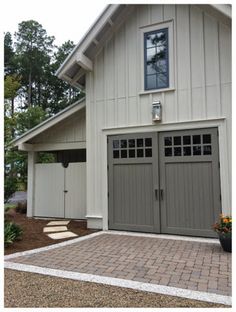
(188, 145)
(131, 148)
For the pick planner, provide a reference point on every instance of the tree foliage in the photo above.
(32, 92)
(33, 52)
(8, 54)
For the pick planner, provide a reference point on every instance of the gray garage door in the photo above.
(133, 174)
(189, 178)
(164, 183)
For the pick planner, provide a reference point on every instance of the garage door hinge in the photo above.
(219, 164)
(107, 167)
(107, 194)
(220, 197)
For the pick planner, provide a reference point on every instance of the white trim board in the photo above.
(164, 290)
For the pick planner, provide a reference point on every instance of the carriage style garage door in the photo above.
(164, 183)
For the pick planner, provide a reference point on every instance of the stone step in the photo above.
(62, 235)
(58, 222)
(55, 229)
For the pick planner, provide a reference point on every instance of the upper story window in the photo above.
(156, 59)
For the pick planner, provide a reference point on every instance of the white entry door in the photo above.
(75, 196)
(49, 190)
(60, 192)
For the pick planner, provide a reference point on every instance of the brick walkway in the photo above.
(183, 264)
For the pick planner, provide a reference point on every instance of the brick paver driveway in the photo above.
(177, 263)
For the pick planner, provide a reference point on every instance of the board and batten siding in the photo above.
(114, 91)
(72, 129)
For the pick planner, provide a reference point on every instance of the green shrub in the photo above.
(12, 232)
(10, 187)
(9, 206)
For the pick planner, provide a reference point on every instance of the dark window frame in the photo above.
(146, 88)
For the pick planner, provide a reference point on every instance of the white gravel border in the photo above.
(164, 290)
(54, 246)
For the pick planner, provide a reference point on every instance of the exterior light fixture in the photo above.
(156, 111)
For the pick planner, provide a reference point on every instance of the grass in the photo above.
(8, 206)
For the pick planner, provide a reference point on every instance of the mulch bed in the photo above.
(33, 236)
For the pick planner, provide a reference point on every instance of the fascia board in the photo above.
(89, 36)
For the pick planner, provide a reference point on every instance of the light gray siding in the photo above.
(115, 100)
(72, 129)
(202, 68)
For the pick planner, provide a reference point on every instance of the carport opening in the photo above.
(64, 157)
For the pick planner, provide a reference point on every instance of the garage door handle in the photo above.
(161, 194)
(65, 191)
(157, 194)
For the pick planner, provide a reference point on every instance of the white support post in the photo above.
(30, 183)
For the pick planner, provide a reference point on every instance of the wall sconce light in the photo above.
(156, 111)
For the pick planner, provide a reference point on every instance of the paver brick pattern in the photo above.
(177, 263)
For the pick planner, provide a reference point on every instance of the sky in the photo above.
(65, 20)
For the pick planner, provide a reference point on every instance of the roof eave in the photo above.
(69, 59)
(77, 55)
(225, 9)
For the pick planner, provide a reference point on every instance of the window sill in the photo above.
(156, 91)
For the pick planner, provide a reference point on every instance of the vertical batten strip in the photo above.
(149, 14)
(138, 71)
(95, 143)
(105, 77)
(176, 66)
(126, 74)
(219, 66)
(218, 74)
(190, 64)
(204, 67)
(115, 80)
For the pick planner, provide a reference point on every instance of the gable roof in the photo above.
(43, 126)
(80, 59)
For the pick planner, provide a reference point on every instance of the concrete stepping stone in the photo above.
(55, 229)
(62, 235)
(58, 223)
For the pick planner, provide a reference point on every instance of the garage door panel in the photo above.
(133, 173)
(189, 195)
(189, 177)
(136, 180)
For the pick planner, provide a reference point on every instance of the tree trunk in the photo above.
(12, 116)
(30, 90)
(70, 94)
(39, 94)
(12, 107)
